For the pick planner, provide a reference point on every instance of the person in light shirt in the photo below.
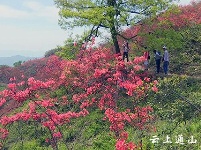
(125, 50)
(165, 60)
(146, 62)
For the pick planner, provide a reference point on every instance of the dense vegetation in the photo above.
(109, 15)
(97, 101)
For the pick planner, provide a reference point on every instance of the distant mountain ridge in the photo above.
(11, 60)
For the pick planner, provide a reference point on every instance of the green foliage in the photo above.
(192, 35)
(183, 46)
(18, 63)
(89, 132)
(177, 111)
(26, 135)
(186, 60)
(176, 105)
(173, 130)
(96, 12)
(175, 98)
(29, 145)
(2, 86)
(52, 51)
(110, 15)
(69, 50)
(169, 37)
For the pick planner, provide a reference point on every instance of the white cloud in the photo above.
(9, 12)
(35, 6)
(25, 40)
(30, 28)
(31, 10)
(39, 10)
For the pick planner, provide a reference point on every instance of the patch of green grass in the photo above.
(176, 108)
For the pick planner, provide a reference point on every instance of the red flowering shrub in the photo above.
(173, 19)
(95, 79)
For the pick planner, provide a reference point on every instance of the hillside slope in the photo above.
(9, 61)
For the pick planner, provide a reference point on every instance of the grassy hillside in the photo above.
(176, 112)
(174, 123)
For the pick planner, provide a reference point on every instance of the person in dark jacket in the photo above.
(157, 57)
(125, 50)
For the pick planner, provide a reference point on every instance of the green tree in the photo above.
(18, 63)
(69, 50)
(111, 15)
(52, 52)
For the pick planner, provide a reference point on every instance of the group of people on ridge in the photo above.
(158, 57)
(165, 59)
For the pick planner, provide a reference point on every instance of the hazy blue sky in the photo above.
(30, 27)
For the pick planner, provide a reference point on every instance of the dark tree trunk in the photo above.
(114, 38)
(113, 30)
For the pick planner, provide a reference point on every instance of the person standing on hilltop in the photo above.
(125, 50)
(165, 60)
(147, 57)
(157, 57)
